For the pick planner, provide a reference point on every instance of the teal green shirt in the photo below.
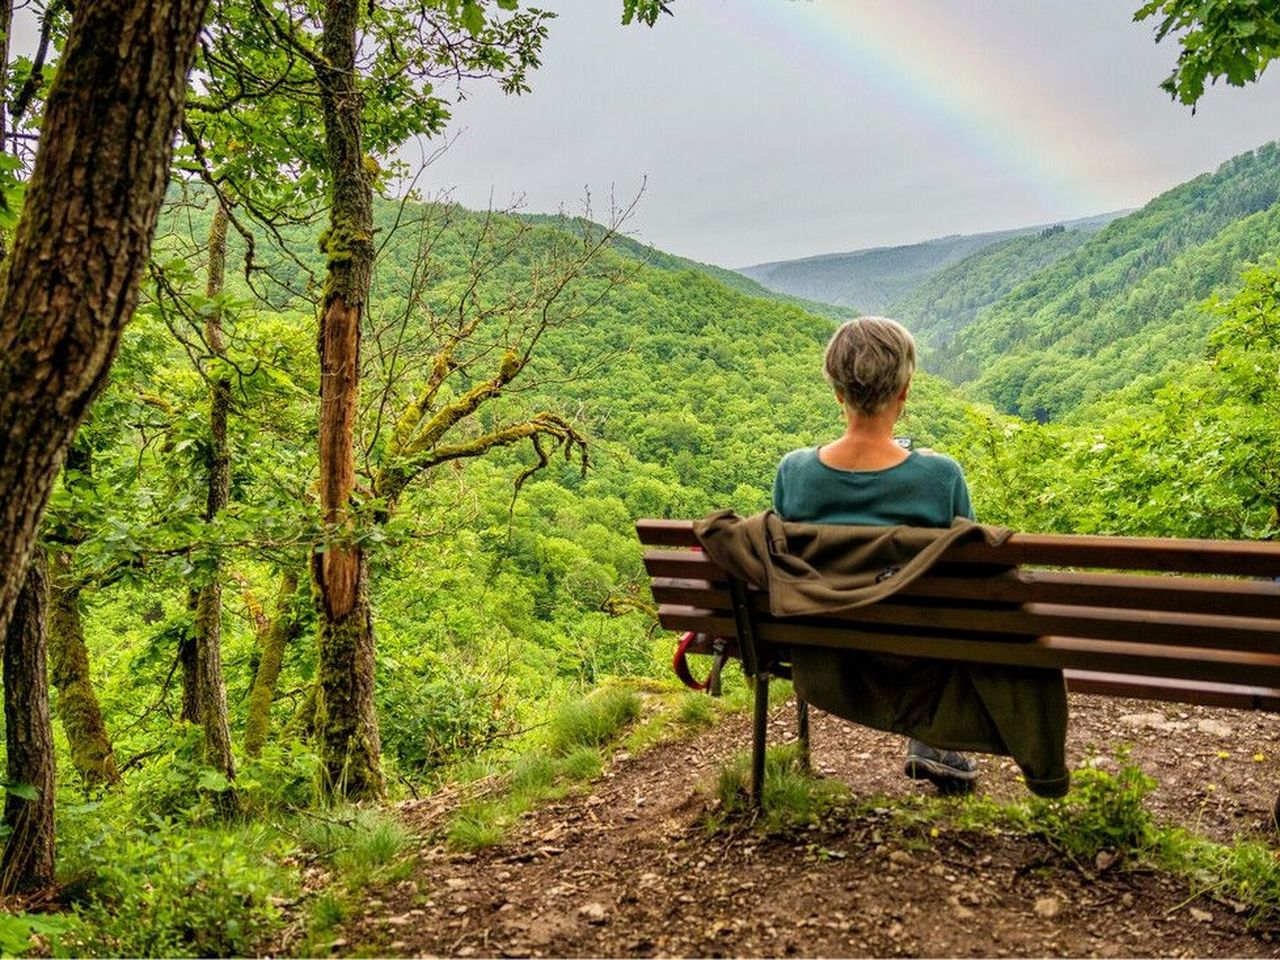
(924, 490)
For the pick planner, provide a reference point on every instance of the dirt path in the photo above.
(630, 870)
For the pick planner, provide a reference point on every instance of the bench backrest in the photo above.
(1188, 620)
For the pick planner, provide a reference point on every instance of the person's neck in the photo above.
(867, 443)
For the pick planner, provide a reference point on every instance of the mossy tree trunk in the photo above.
(211, 693)
(346, 722)
(71, 277)
(78, 710)
(27, 863)
(283, 628)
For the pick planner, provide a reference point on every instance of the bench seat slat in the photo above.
(683, 564)
(1098, 623)
(1112, 656)
(1237, 557)
(1138, 626)
(1172, 594)
(1166, 689)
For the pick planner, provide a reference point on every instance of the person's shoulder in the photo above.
(798, 458)
(938, 464)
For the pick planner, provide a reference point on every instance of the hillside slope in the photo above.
(1125, 305)
(872, 279)
(948, 301)
(662, 260)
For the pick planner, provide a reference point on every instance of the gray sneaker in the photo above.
(949, 771)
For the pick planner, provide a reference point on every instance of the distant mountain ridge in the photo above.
(869, 280)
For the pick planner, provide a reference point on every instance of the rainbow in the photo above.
(1001, 115)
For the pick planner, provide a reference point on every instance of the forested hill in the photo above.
(1126, 305)
(949, 300)
(872, 279)
(663, 260)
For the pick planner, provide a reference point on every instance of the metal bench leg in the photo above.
(717, 667)
(802, 734)
(758, 738)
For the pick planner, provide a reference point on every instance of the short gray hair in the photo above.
(869, 361)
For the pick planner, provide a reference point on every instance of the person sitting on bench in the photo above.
(866, 477)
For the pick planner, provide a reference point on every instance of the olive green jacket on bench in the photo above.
(823, 569)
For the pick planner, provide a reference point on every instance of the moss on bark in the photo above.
(78, 709)
(346, 725)
(277, 635)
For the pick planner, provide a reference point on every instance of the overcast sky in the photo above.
(772, 129)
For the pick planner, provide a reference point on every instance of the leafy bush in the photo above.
(162, 891)
(19, 930)
(177, 785)
(1103, 811)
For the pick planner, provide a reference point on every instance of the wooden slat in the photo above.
(666, 533)
(716, 623)
(1108, 656)
(1166, 689)
(1235, 557)
(691, 593)
(1100, 623)
(1238, 598)
(682, 563)
(1163, 689)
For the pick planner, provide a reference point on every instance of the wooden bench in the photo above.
(1187, 621)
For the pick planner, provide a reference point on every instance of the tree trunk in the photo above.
(28, 855)
(282, 629)
(211, 692)
(70, 281)
(188, 664)
(78, 709)
(346, 722)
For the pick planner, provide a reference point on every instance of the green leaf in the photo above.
(472, 17)
(214, 781)
(25, 791)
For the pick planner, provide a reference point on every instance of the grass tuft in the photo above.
(696, 710)
(585, 763)
(592, 721)
(477, 826)
(792, 797)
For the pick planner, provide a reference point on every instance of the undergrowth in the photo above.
(148, 888)
(572, 749)
(567, 755)
(161, 869)
(360, 847)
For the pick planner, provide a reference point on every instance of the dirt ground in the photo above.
(630, 870)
